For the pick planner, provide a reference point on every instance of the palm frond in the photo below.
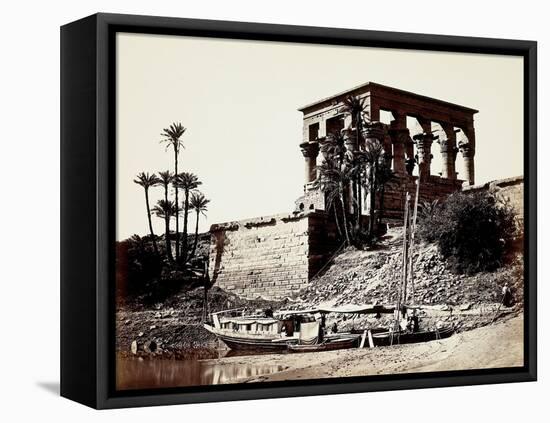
(165, 178)
(172, 135)
(146, 180)
(164, 208)
(199, 202)
(187, 181)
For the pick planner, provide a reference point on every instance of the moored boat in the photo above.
(253, 333)
(404, 337)
(337, 343)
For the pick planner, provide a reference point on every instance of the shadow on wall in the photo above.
(221, 243)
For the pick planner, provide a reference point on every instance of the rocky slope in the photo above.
(366, 277)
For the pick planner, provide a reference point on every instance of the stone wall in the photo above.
(313, 199)
(509, 189)
(270, 256)
(433, 188)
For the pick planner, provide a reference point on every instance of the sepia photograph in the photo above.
(288, 211)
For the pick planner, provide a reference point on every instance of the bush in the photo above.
(472, 231)
(136, 266)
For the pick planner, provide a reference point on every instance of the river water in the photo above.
(135, 373)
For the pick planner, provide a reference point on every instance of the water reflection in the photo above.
(134, 373)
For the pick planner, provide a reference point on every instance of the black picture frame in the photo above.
(88, 208)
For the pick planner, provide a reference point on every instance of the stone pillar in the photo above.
(388, 149)
(399, 137)
(424, 143)
(448, 151)
(467, 146)
(310, 150)
(468, 152)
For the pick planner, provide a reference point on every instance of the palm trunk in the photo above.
(155, 246)
(185, 217)
(167, 229)
(358, 127)
(345, 221)
(381, 205)
(358, 204)
(336, 220)
(177, 204)
(372, 192)
(196, 238)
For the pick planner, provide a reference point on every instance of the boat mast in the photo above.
(402, 294)
(406, 235)
(412, 233)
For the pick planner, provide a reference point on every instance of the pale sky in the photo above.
(239, 99)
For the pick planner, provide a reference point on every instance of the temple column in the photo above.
(399, 136)
(448, 151)
(310, 150)
(467, 146)
(468, 152)
(424, 143)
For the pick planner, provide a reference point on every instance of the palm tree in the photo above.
(165, 179)
(199, 203)
(332, 179)
(165, 209)
(188, 182)
(147, 181)
(355, 106)
(374, 159)
(172, 136)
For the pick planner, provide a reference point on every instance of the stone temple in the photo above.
(275, 256)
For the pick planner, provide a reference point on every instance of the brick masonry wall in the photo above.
(265, 256)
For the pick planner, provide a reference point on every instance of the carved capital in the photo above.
(374, 130)
(310, 149)
(468, 150)
(399, 135)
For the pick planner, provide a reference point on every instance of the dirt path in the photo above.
(494, 346)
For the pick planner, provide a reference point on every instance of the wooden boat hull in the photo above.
(255, 344)
(240, 344)
(386, 339)
(330, 345)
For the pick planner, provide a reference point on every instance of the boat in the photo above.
(253, 333)
(302, 329)
(388, 338)
(337, 343)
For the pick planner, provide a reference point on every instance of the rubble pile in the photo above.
(369, 277)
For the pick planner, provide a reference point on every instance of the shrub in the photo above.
(472, 230)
